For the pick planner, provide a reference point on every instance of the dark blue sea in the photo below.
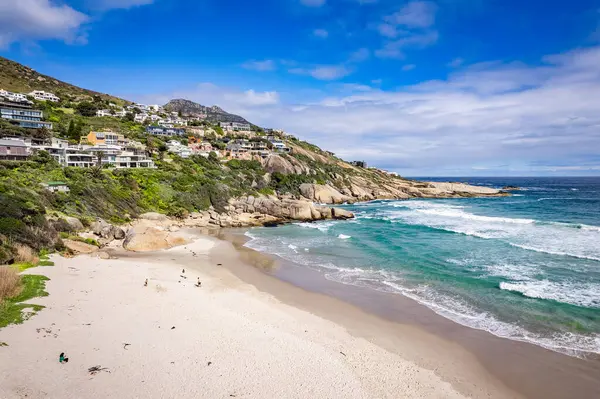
(524, 267)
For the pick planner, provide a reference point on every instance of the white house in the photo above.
(176, 147)
(141, 118)
(103, 112)
(155, 118)
(44, 96)
(14, 97)
(121, 113)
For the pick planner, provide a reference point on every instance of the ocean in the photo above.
(524, 267)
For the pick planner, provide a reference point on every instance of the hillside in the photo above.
(217, 190)
(213, 114)
(20, 78)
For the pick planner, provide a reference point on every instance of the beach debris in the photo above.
(172, 328)
(62, 358)
(342, 353)
(125, 345)
(219, 264)
(209, 363)
(96, 369)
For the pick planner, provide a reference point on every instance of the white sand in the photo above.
(259, 347)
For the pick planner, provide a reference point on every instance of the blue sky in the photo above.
(446, 87)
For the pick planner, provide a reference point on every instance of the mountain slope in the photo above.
(213, 114)
(20, 78)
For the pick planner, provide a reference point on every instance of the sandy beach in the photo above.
(172, 339)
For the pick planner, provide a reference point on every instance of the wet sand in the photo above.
(476, 362)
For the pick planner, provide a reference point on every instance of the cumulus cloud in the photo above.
(266, 65)
(32, 20)
(396, 48)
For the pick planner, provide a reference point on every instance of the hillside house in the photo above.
(141, 118)
(44, 96)
(103, 138)
(23, 115)
(103, 112)
(235, 126)
(177, 148)
(165, 131)
(14, 97)
(14, 149)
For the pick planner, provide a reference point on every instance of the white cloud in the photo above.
(118, 4)
(322, 33)
(409, 67)
(411, 26)
(313, 3)
(32, 20)
(253, 99)
(266, 65)
(395, 48)
(324, 72)
(416, 14)
(360, 55)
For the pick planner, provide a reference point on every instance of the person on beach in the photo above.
(62, 358)
(146, 283)
(199, 283)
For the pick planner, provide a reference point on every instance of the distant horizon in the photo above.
(418, 87)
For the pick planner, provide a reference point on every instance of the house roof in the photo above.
(56, 183)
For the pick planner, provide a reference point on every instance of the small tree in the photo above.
(86, 109)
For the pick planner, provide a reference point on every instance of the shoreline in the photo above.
(380, 344)
(518, 367)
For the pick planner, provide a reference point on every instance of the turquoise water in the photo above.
(525, 267)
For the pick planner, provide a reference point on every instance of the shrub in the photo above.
(10, 283)
(24, 254)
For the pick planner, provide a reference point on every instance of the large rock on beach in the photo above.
(79, 247)
(143, 237)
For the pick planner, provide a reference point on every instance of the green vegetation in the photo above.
(13, 310)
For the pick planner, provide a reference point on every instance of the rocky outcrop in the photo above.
(458, 189)
(280, 210)
(288, 165)
(324, 194)
(143, 237)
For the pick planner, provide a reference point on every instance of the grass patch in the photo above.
(12, 310)
(23, 266)
(46, 263)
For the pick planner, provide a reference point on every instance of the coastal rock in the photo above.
(458, 189)
(98, 226)
(103, 255)
(511, 188)
(142, 237)
(74, 223)
(79, 247)
(324, 194)
(288, 165)
(154, 216)
(118, 233)
(342, 214)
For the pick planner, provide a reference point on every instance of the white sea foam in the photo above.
(344, 237)
(321, 226)
(586, 295)
(564, 239)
